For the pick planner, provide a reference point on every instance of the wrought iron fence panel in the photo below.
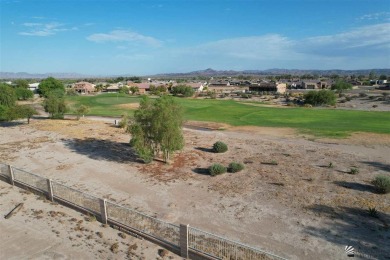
(223, 248)
(76, 197)
(4, 170)
(144, 223)
(30, 179)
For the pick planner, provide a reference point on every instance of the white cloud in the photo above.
(45, 29)
(32, 24)
(370, 38)
(278, 47)
(272, 46)
(124, 36)
(376, 16)
(38, 17)
(360, 47)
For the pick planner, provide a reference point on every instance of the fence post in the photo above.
(103, 210)
(184, 240)
(11, 175)
(50, 190)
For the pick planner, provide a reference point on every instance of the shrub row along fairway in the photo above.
(317, 121)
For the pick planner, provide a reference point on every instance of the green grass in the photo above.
(314, 121)
(105, 104)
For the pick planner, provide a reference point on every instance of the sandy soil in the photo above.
(129, 106)
(299, 208)
(46, 230)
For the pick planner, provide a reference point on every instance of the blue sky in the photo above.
(149, 37)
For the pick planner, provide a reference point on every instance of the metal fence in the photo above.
(144, 223)
(30, 179)
(4, 170)
(180, 238)
(76, 197)
(224, 248)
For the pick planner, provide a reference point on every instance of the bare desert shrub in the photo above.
(114, 247)
(382, 183)
(354, 171)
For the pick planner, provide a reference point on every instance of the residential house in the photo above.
(142, 87)
(84, 87)
(220, 86)
(219, 83)
(323, 85)
(197, 87)
(356, 82)
(308, 84)
(33, 87)
(295, 85)
(114, 88)
(269, 87)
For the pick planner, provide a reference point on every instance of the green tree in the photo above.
(8, 109)
(55, 104)
(334, 76)
(319, 98)
(23, 93)
(183, 90)
(157, 90)
(168, 117)
(21, 83)
(81, 111)
(341, 85)
(157, 127)
(18, 112)
(50, 84)
(135, 79)
(71, 92)
(134, 89)
(372, 75)
(119, 79)
(3, 112)
(99, 87)
(27, 112)
(161, 89)
(141, 130)
(7, 95)
(124, 90)
(382, 77)
(152, 89)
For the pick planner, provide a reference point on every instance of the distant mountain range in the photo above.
(201, 73)
(295, 72)
(25, 75)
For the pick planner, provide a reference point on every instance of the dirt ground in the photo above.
(46, 230)
(287, 200)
